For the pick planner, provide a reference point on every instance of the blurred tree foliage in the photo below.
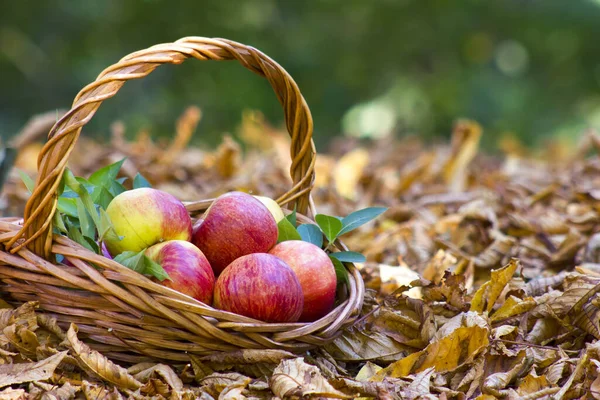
(530, 67)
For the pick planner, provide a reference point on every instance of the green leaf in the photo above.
(102, 197)
(139, 262)
(331, 226)
(349, 256)
(154, 269)
(75, 235)
(116, 188)
(140, 182)
(79, 188)
(292, 217)
(106, 175)
(132, 260)
(360, 217)
(29, 183)
(58, 223)
(92, 244)
(341, 272)
(106, 229)
(311, 233)
(85, 221)
(67, 206)
(287, 231)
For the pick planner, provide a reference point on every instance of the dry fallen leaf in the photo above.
(295, 378)
(11, 374)
(487, 295)
(98, 365)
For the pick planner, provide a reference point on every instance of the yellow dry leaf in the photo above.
(487, 295)
(395, 276)
(217, 383)
(367, 371)
(13, 394)
(513, 306)
(465, 144)
(98, 365)
(162, 371)
(455, 350)
(348, 171)
(228, 157)
(11, 374)
(533, 384)
(297, 378)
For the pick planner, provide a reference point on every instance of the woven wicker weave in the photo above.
(118, 311)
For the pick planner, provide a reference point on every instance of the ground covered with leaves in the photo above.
(482, 276)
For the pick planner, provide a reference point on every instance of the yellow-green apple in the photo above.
(273, 207)
(235, 224)
(188, 269)
(260, 286)
(316, 274)
(144, 217)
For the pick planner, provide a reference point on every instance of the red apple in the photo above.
(235, 224)
(316, 274)
(144, 217)
(187, 267)
(260, 286)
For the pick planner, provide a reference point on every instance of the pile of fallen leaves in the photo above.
(482, 277)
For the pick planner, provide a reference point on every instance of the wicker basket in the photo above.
(118, 311)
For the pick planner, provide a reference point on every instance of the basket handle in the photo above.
(36, 232)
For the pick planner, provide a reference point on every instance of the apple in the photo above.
(144, 217)
(316, 274)
(235, 224)
(273, 207)
(188, 268)
(260, 286)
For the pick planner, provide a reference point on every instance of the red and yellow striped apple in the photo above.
(187, 267)
(273, 207)
(260, 286)
(316, 274)
(144, 217)
(235, 224)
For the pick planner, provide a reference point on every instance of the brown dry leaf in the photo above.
(233, 392)
(456, 349)
(216, 383)
(248, 356)
(534, 386)
(50, 324)
(367, 371)
(98, 365)
(487, 295)
(297, 378)
(64, 392)
(23, 315)
(228, 158)
(348, 171)
(359, 345)
(11, 374)
(419, 388)
(162, 372)
(93, 392)
(513, 306)
(201, 370)
(595, 386)
(23, 339)
(495, 383)
(13, 394)
(465, 144)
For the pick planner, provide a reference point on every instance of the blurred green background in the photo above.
(365, 67)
